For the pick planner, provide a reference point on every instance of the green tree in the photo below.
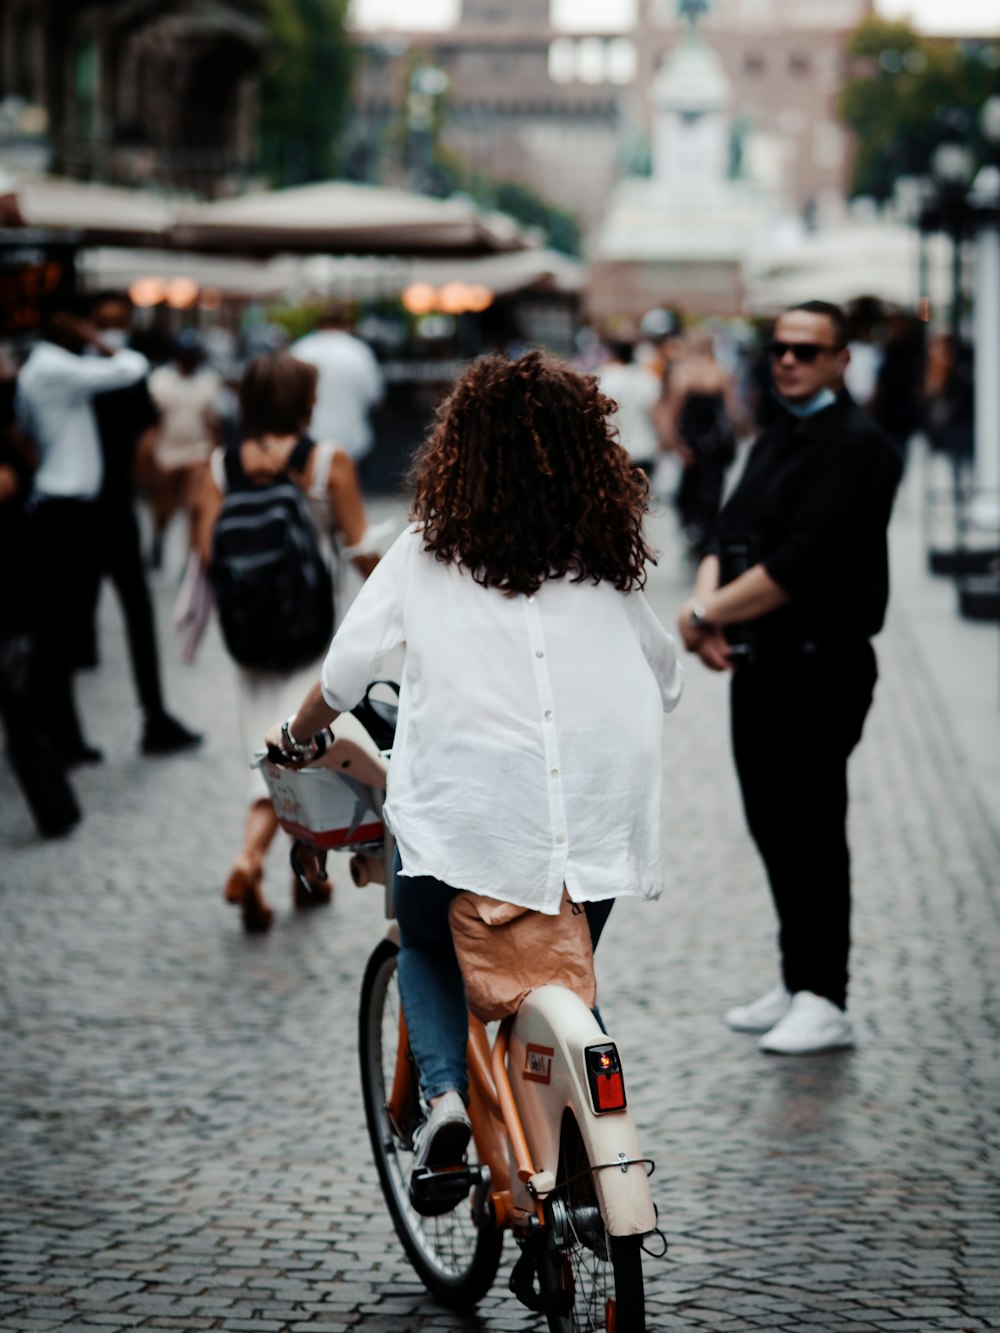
(305, 89)
(906, 93)
(522, 202)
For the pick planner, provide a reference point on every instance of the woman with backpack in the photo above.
(528, 757)
(272, 499)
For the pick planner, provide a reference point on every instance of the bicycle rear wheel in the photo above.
(455, 1258)
(593, 1280)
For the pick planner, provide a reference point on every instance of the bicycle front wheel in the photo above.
(455, 1258)
(593, 1281)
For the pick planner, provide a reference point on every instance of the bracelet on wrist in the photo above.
(291, 744)
(697, 616)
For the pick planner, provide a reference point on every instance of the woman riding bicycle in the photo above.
(527, 756)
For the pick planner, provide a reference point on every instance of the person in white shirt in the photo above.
(528, 750)
(349, 385)
(54, 406)
(636, 389)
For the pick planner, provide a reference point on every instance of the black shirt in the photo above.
(813, 504)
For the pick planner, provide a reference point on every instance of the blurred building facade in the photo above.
(138, 91)
(571, 114)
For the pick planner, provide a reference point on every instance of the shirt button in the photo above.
(539, 653)
(561, 838)
(548, 714)
(553, 772)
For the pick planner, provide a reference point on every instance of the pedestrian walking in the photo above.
(695, 419)
(519, 770)
(34, 762)
(349, 384)
(797, 577)
(186, 395)
(54, 403)
(124, 416)
(265, 478)
(634, 388)
(898, 405)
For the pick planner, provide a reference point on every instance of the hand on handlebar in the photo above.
(284, 750)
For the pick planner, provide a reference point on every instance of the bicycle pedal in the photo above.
(436, 1191)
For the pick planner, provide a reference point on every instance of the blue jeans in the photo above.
(430, 980)
(430, 983)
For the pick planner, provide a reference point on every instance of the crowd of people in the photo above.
(787, 592)
(91, 434)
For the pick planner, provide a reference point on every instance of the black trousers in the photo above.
(119, 558)
(795, 721)
(63, 572)
(35, 761)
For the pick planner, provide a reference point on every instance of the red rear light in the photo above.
(604, 1075)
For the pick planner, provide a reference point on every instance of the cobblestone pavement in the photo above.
(181, 1137)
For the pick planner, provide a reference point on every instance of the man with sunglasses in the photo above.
(788, 600)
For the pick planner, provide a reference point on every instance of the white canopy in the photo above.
(849, 260)
(334, 217)
(340, 217)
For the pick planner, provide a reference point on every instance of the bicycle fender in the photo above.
(547, 1071)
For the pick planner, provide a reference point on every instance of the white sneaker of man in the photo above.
(762, 1014)
(812, 1024)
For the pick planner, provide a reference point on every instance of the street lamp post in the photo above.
(949, 211)
(979, 594)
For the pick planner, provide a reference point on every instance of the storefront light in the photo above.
(146, 292)
(478, 297)
(182, 293)
(419, 298)
(452, 298)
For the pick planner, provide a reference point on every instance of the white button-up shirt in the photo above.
(53, 405)
(528, 752)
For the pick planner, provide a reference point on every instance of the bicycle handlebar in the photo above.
(274, 754)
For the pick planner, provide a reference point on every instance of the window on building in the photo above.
(622, 60)
(25, 47)
(562, 60)
(754, 65)
(798, 64)
(85, 87)
(590, 67)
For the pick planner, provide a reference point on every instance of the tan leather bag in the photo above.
(505, 951)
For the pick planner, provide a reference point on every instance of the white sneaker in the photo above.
(811, 1024)
(760, 1015)
(444, 1136)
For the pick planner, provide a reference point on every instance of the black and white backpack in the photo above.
(272, 584)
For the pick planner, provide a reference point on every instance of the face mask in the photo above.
(116, 339)
(822, 399)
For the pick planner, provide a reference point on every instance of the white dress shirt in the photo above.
(349, 386)
(528, 752)
(53, 405)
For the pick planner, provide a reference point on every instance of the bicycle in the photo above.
(554, 1157)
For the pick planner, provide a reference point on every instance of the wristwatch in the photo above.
(697, 617)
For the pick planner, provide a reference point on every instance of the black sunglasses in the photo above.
(804, 352)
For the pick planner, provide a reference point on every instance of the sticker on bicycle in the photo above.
(538, 1063)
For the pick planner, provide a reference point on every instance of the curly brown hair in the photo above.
(522, 479)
